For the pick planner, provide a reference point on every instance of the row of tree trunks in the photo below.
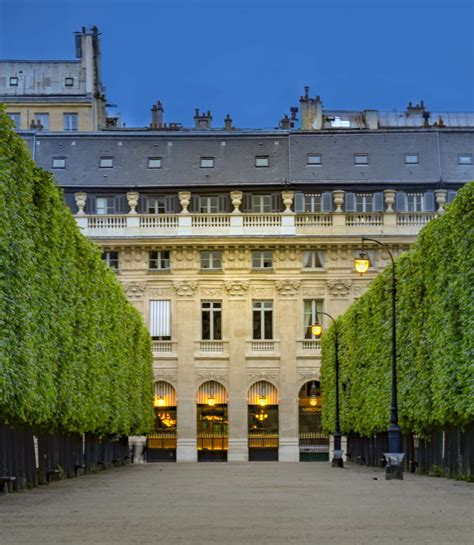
(29, 457)
(448, 451)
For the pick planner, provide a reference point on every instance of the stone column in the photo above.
(132, 198)
(440, 201)
(238, 332)
(186, 384)
(287, 332)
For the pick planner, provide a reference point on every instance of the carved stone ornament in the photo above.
(170, 378)
(314, 291)
(268, 376)
(308, 376)
(81, 199)
(288, 287)
(287, 198)
(158, 292)
(185, 289)
(236, 198)
(134, 290)
(236, 288)
(389, 200)
(132, 198)
(184, 201)
(338, 198)
(339, 288)
(440, 200)
(206, 376)
(211, 292)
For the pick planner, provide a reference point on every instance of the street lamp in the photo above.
(394, 468)
(317, 330)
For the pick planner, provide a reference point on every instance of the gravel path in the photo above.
(252, 503)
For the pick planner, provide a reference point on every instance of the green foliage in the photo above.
(74, 354)
(435, 336)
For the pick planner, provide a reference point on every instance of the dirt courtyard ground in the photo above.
(251, 503)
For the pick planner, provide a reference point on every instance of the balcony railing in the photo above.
(163, 346)
(309, 345)
(263, 346)
(216, 347)
(217, 225)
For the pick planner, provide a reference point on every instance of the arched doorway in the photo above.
(263, 422)
(212, 422)
(313, 443)
(161, 445)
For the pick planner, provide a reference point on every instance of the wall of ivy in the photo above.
(435, 336)
(74, 354)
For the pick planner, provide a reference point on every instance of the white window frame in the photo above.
(159, 312)
(106, 162)
(154, 162)
(313, 259)
(40, 117)
(262, 259)
(59, 162)
(262, 161)
(415, 202)
(364, 202)
(161, 262)
(156, 203)
(465, 159)
(15, 117)
(70, 121)
(211, 260)
(104, 205)
(214, 309)
(412, 159)
(265, 309)
(312, 202)
(112, 261)
(206, 162)
(261, 204)
(313, 160)
(208, 204)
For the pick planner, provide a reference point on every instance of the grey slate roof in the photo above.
(235, 152)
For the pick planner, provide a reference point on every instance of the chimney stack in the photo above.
(228, 123)
(202, 121)
(311, 112)
(157, 111)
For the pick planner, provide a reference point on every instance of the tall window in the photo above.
(211, 314)
(311, 309)
(415, 202)
(70, 121)
(312, 202)
(112, 259)
(159, 260)
(15, 117)
(262, 259)
(105, 205)
(364, 202)
(261, 203)
(42, 119)
(262, 319)
(155, 205)
(313, 259)
(209, 205)
(211, 260)
(160, 320)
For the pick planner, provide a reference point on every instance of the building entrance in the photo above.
(161, 445)
(212, 423)
(313, 443)
(263, 422)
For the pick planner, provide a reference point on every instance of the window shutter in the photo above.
(171, 204)
(428, 201)
(350, 202)
(276, 202)
(299, 202)
(70, 200)
(401, 204)
(91, 204)
(160, 318)
(121, 204)
(377, 202)
(195, 203)
(247, 202)
(224, 203)
(141, 208)
(451, 196)
(326, 202)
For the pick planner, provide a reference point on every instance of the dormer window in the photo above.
(13, 81)
(411, 159)
(69, 82)
(262, 161)
(106, 162)
(59, 162)
(207, 162)
(313, 159)
(361, 159)
(465, 159)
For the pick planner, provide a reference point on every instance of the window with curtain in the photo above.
(160, 320)
(311, 309)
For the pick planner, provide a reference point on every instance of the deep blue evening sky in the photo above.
(251, 58)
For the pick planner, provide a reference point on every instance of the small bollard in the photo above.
(394, 467)
(337, 459)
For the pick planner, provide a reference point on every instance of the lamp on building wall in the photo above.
(394, 456)
(362, 263)
(317, 330)
(313, 395)
(211, 400)
(159, 400)
(262, 400)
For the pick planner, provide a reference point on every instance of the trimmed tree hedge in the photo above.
(74, 354)
(435, 336)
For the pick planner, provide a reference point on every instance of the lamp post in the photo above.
(394, 468)
(317, 331)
